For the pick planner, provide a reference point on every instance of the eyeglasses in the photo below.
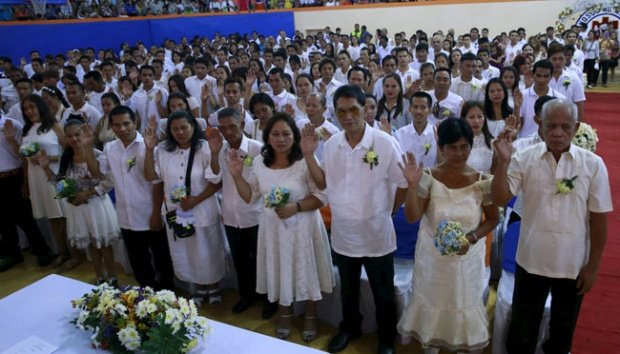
(353, 110)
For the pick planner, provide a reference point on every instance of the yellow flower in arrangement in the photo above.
(565, 185)
(371, 157)
(247, 161)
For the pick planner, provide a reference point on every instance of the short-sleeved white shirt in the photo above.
(569, 85)
(554, 239)
(422, 146)
(472, 90)
(362, 198)
(92, 115)
(452, 103)
(9, 160)
(528, 125)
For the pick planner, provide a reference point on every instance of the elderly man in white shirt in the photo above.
(240, 219)
(563, 231)
(138, 202)
(150, 100)
(361, 174)
(542, 76)
(466, 85)
(564, 81)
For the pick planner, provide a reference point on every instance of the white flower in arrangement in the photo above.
(81, 318)
(129, 338)
(141, 308)
(166, 296)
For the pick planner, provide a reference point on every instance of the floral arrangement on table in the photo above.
(66, 188)
(449, 238)
(29, 149)
(133, 319)
(586, 137)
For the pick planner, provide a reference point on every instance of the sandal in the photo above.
(310, 331)
(284, 326)
(68, 265)
(214, 296)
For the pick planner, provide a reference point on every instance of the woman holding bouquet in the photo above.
(91, 219)
(447, 309)
(198, 259)
(293, 255)
(40, 128)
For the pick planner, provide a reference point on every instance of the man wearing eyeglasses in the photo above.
(364, 185)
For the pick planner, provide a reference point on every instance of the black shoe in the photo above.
(269, 309)
(45, 259)
(340, 341)
(385, 349)
(7, 262)
(242, 305)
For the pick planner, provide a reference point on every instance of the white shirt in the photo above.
(9, 160)
(9, 96)
(449, 106)
(282, 99)
(422, 146)
(15, 112)
(490, 73)
(579, 58)
(330, 127)
(407, 78)
(471, 49)
(331, 88)
(341, 76)
(92, 115)
(134, 194)
(416, 65)
(235, 211)
(529, 126)
(144, 103)
(511, 52)
(472, 90)
(194, 87)
(361, 198)
(568, 85)
(554, 239)
(383, 52)
(94, 99)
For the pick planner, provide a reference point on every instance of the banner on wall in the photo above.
(55, 37)
(595, 19)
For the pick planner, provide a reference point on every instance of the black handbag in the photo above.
(179, 230)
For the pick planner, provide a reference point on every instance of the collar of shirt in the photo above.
(366, 142)
(543, 150)
(243, 149)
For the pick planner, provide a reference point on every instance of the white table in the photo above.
(44, 309)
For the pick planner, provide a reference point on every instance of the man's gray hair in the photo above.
(557, 104)
(229, 113)
(320, 96)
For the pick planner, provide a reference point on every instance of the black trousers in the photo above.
(380, 272)
(528, 305)
(242, 244)
(592, 74)
(146, 248)
(16, 210)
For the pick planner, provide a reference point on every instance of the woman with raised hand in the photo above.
(446, 310)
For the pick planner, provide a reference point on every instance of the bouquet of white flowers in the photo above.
(586, 137)
(29, 149)
(133, 319)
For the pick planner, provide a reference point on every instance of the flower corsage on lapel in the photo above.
(131, 162)
(427, 148)
(566, 83)
(565, 185)
(247, 161)
(371, 157)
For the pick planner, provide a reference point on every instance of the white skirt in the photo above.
(446, 308)
(201, 258)
(94, 222)
(42, 193)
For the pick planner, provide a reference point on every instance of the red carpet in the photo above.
(598, 328)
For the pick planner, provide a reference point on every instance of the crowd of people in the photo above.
(298, 152)
(79, 9)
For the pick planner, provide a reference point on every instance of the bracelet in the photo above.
(298, 207)
(475, 237)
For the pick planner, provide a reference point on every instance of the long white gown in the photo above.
(199, 259)
(41, 191)
(293, 257)
(446, 309)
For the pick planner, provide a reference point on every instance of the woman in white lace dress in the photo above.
(446, 309)
(293, 255)
(481, 156)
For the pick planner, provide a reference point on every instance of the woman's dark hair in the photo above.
(180, 82)
(55, 91)
(291, 86)
(113, 97)
(468, 106)
(226, 70)
(452, 129)
(488, 105)
(180, 96)
(45, 115)
(170, 144)
(267, 151)
(399, 99)
(312, 68)
(519, 60)
(263, 98)
(66, 159)
(514, 71)
(126, 78)
(450, 62)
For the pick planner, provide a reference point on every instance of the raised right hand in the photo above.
(235, 164)
(309, 139)
(412, 171)
(503, 146)
(214, 138)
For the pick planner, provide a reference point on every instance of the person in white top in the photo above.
(361, 174)
(24, 88)
(108, 71)
(468, 46)
(389, 64)
(233, 89)
(95, 86)
(278, 94)
(563, 230)
(564, 81)
(407, 74)
(138, 202)
(419, 137)
(344, 65)
(466, 85)
(445, 103)
(328, 84)
(240, 219)
(569, 51)
(542, 76)
(578, 55)
(149, 100)
(9, 93)
(202, 87)
(488, 71)
(315, 109)
(80, 109)
(513, 48)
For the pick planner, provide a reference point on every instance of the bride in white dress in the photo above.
(481, 156)
(446, 309)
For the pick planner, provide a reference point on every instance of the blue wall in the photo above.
(17, 40)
